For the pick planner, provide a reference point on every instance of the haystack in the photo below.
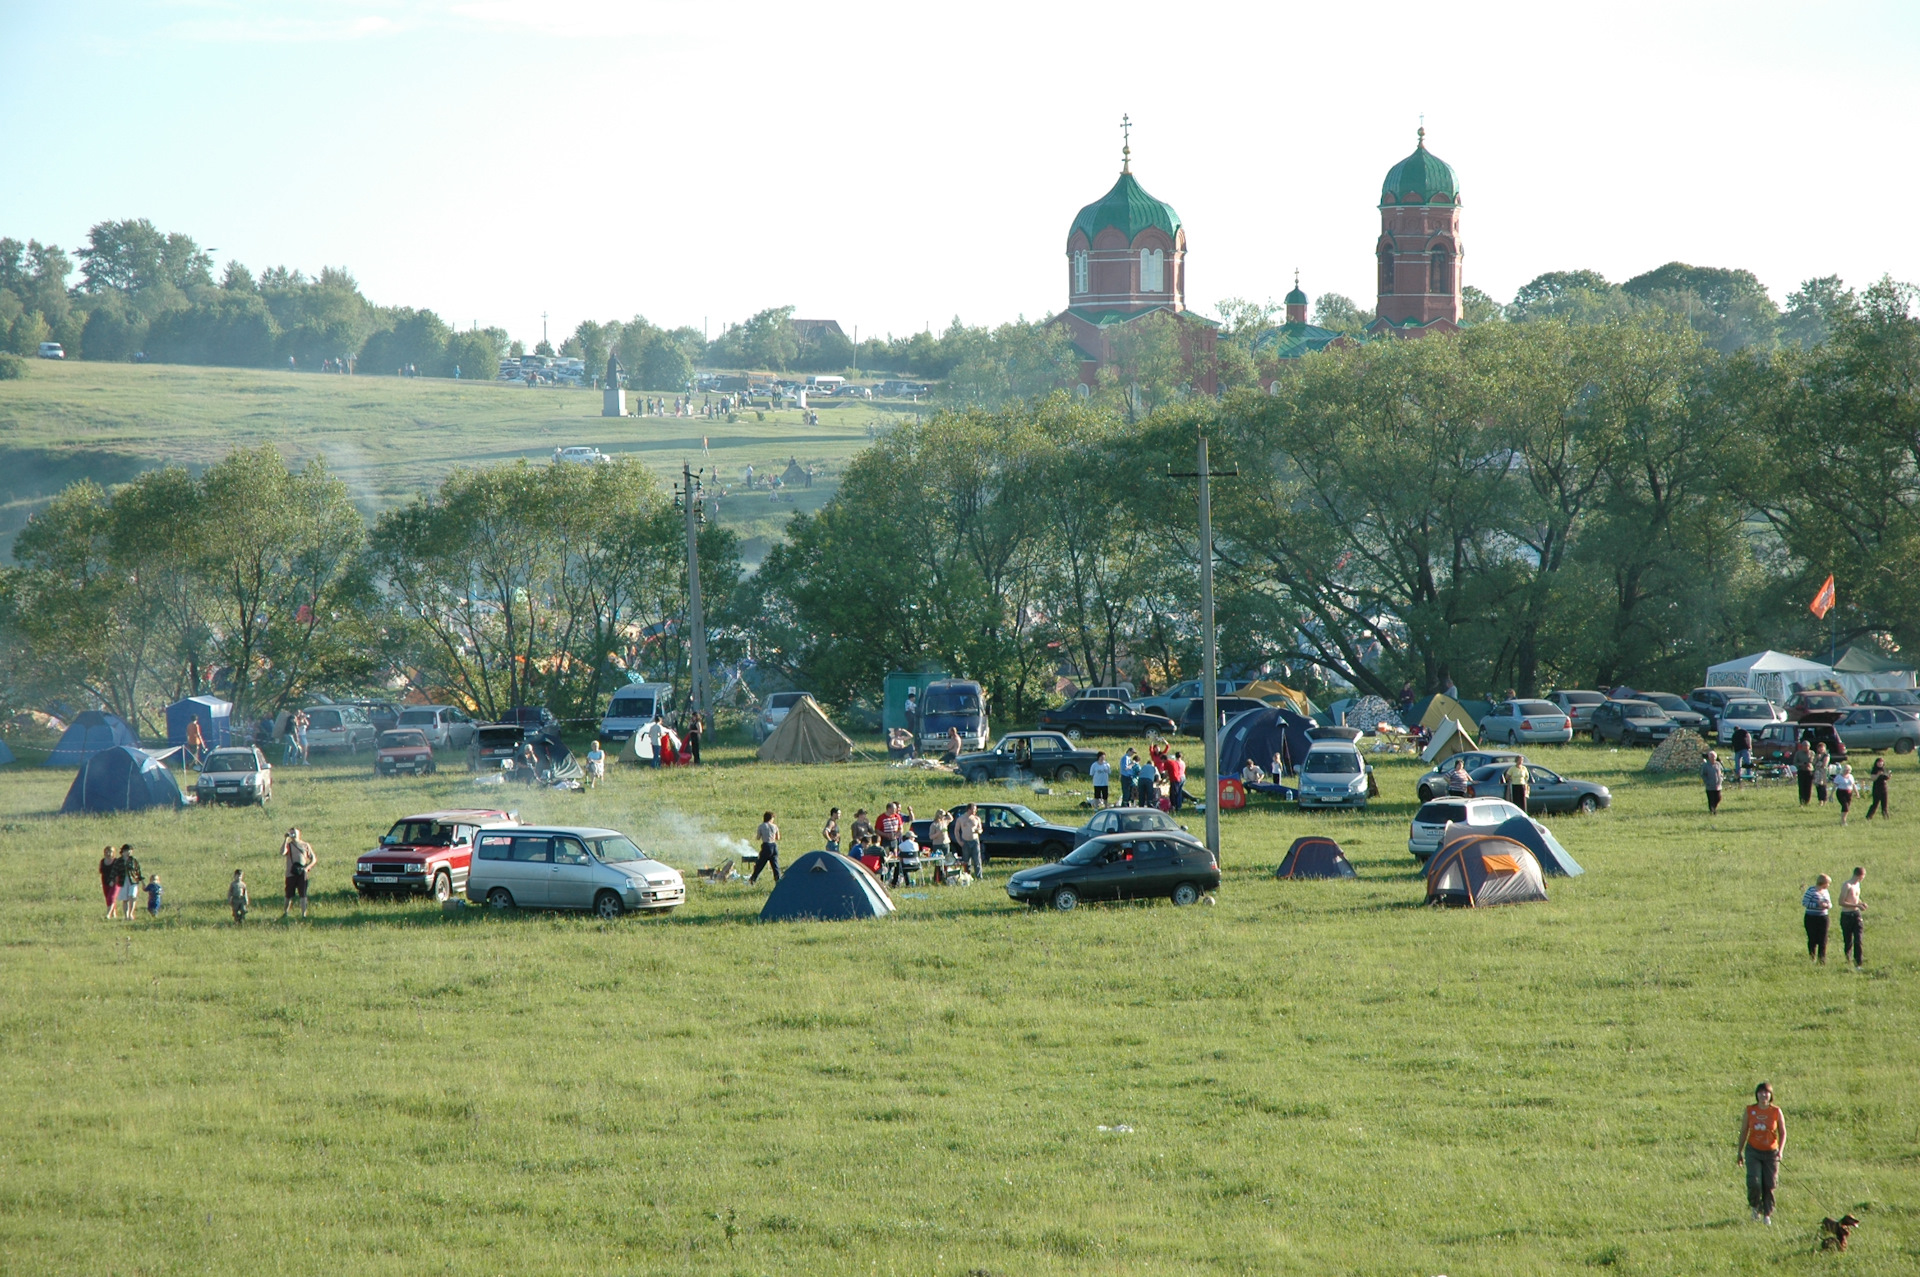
(1681, 752)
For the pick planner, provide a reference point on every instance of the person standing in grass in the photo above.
(966, 830)
(1763, 1142)
(109, 879)
(1853, 912)
(1101, 774)
(1822, 771)
(769, 836)
(1817, 904)
(1879, 777)
(830, 832)
(693, 741)
(861, 828)
(237, 898)
(1843, 787)
(1177, 781)
(298, 853)
(596, 765)
(127, 872)
(1519, 779)
(1742, 751)
(1459, 784)
(1126, 778)
(153, 896)
(1803, 770)
(1712, 775)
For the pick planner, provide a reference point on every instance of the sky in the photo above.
(893, 166)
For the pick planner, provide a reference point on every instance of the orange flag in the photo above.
(1823, 601)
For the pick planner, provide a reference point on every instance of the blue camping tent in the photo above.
(1546, 849)
(6, 755)
(1259, 734)
(122, 779)
(213, 714)
(824, 887)
(90, 733)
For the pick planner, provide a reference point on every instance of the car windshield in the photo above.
(784, 700)
(1027, 814)
(1088, 853)
(631, 707)
(1332, 762)
(229, 760)
(1665, 701)
(616, 850)
(419, 833)
(1748, 709)
(1641, 709)
(417, 717)
(1129, 822)
(958, 701)
(1897, 696)
(402, 740)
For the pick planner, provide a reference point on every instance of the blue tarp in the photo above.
(825, 887)
(213, 714)
(121, 779)
(1553, 858)
(1260, 734)
(91, 732)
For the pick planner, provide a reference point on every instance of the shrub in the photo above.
(12, 367)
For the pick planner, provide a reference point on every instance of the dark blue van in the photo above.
(953, 703)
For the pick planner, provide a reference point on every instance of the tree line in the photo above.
(512, 585)
(1572, 500)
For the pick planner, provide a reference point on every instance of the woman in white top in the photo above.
(1843, 787)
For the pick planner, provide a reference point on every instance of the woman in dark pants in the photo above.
(1879, 777)
(1818, 904)
(1803, 771)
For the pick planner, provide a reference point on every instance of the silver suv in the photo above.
(342, 727)
(569, 867)
(1431, 821)
(444, 726)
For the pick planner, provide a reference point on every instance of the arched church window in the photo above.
(1442, 272)
(1153, 271)
(1080, 270)
(1386, 270)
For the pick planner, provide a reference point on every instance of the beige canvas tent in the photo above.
(1441, 707)
(1274, 692)
(806, 735)
(1449, 738)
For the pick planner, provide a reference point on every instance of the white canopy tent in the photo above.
(1772, 674)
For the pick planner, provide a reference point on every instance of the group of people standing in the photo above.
(1817, 902)
(1158, 780)
(888, 844)
(121, 880)
(1817, 773)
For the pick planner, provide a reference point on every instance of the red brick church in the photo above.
(1419, 249)
(1127, 259)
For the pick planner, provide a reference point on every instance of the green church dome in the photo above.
(1296, 297)
(1128, 209)
(1419, 178)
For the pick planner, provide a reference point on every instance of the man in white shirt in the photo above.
(650, 737)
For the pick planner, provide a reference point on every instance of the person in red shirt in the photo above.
(1177, 781)
(890, 826)
(1763, 1141)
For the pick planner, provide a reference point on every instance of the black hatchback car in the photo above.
(1119, 867)
(1090, 716)
(1009, 830)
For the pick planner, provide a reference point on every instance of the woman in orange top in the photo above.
(1763, 1140)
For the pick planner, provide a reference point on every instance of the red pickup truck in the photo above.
(427, 854)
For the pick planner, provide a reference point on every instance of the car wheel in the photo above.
(1903, 746)
(1066, 899)
(978, 776)
(1425, 795)
(1073, 733)
(607, 905)
(1588, 804)
(1066, 773)
(1185, 894)
(442, 887)
(1052, 851)
(500, 898)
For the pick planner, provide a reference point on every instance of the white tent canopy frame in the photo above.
(1772, 674)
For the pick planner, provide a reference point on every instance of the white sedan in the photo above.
(580, 455)
(1750, 714)
(235, 774)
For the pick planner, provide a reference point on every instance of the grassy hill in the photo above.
(387, 436)
(1319, 1077)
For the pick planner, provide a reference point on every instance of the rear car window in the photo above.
(1538, 707)
(784, 700)
(1332, 762)
(1582, 698)
(418, 717)
(323, 718)
(1441, 813)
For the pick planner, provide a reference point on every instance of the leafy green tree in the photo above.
(1015, 361)
(1813, 309)
(1730, 309)
(114, 330)
(663, 364)
(767, 340)
(1477, 307)
(238, 279)
(409, 338)
(475, 353)
(223, 326)
(132, 256)
(1332, 310)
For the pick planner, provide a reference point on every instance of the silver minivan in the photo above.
(342, 727)
(568, 867)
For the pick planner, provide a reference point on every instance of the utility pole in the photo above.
(1209, 663)
(690, 496)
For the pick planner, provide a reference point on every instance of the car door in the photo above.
(530, 868)
(1112, 878)
(574, 876)
(1548, 791)
(1000, 832)
(1046, 754)
(1152, 869)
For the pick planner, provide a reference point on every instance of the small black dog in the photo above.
(1836, 1231)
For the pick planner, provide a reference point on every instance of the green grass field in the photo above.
(1320, 1077)
(388, 436)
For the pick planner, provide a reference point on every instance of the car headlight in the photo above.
(205, 781)
(247, 781)
(364, 867)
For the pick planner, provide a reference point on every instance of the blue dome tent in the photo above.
(122, 779)
(91, 732)
(6, 755)
(1260, 734)
(214, 715)
(824, 887)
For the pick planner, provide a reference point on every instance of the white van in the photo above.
(52, 350)
(633, 707)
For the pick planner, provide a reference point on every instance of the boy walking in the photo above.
(1763, 1139)
(237, 898)
(1853, 911)
(153, 896)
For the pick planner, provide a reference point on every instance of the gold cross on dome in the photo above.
(1126, 143)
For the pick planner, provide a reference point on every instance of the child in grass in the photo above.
(596, 765)
(153, 896)
(237, 898)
